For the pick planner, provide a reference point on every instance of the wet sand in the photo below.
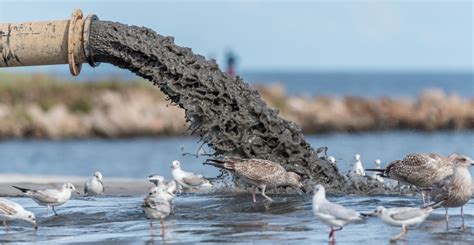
(113, 186)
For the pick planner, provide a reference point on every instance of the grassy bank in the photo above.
(42, 106)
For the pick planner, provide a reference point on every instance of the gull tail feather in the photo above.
(224, 164)
(24, 190)
(380, 171)
(435, 205)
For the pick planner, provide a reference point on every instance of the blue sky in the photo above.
(305, 35)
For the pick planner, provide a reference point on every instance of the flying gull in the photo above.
(50, 197)
(332, 214)
(258, 173)
(10, 210)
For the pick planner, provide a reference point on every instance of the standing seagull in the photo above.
(188, 180)
(10, 210)
(50, 197)
(419, 169)
(455, 190)
(156, 207)
(332, 214)
(403, 217)
(94, 186)
(377, 176)
(258, 173)
(358, 168)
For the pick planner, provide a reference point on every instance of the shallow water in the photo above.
(229, 218)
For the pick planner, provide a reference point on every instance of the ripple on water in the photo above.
(228, 218)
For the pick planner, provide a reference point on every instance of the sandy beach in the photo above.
(114, 186)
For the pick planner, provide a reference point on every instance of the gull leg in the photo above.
(162, 225)
(6, 226)
(331, 235)
(264, 195)
(253, 194)
(397, 237)
(54, 211)
(446, 216)
(423, 198)
(463, 226)
(151, 229)
(47, 210)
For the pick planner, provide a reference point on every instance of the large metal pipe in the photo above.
(47, 43)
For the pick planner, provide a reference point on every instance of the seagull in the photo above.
(157, 180)
(375, 175)
(50, 197)
(358, 168)
(171, 186)
(332, 214)
(94, 186)
(156, 207)
(331, 159)
(258, 173)
(419, 169)
(10, 210)
(455, 190)
(403, 217)
(161, 192)
(188, 180)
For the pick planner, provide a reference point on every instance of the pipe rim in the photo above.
(86, 35)
(74, 68)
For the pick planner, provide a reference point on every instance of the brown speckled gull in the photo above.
(455, 190)
(259, 173)
(419, 169)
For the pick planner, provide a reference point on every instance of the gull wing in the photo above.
(258, 169)
(338, 211)
(158, 204)
(407, 213)
(7, 207)
(86, 187)
(194, 180)
(442, 189)
(47, 196)
(102, 184)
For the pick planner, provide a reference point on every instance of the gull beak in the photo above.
(77, 192)
(372, 214)
(301, 186)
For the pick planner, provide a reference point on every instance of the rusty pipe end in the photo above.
(85, 35)
(47, 43)
(78, 41)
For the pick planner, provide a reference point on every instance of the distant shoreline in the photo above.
(42, 107)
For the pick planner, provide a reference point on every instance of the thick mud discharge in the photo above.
(223, 111)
